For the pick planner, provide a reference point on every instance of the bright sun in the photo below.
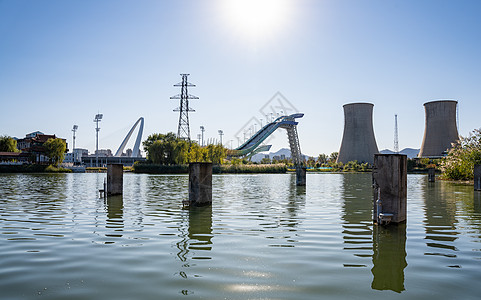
(256, 18)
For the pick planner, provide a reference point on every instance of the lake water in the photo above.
(263, 238)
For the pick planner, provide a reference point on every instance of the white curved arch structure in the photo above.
(136, 150)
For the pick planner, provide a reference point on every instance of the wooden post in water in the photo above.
(200, 184)
(301, 176)
(477, 177)
(431, 174)
(115, 179)
(389, 176)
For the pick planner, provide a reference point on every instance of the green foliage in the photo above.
(322, 158)
(55, 150)
(311, 162)
(53, 169)
(184, 169)
(167, 149)
(245, 168)
(8, 144)
(265, 160)
(460, 161)
(333, 156)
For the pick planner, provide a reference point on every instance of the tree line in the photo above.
(168, 149)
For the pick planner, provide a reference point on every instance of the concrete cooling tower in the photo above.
(440, 129)
(358, 141)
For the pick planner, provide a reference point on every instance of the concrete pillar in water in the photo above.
(301, 176)
(200, 183)
(477, 177)
(390, 188)
(115, 179)
(431, 174)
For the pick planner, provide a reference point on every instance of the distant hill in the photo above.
(410, 152)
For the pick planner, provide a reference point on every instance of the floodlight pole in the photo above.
(202, 129)
(98, 118)
(75, 127)
(221, 133)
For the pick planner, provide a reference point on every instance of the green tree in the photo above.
(195, 153)
(8, 144)
(55, 150)
(460, 161)
(322, 158)
(167, 149)
(311, 162)
(266, 161)
(333, 156)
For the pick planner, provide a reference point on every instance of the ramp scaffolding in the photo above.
(253, 144)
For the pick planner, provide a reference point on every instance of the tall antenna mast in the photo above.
(396, 139)
(183, 130)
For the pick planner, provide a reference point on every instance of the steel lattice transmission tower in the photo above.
(184, 108)
(396, 138)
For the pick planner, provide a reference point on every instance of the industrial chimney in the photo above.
(358, 141)
(440, 129)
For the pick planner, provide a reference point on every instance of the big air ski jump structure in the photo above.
(358, 140)
(253, 144)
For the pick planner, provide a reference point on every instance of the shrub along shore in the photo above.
(216, 169)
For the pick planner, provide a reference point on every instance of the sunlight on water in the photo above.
(263, 238)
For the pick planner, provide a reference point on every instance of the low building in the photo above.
(33, 145)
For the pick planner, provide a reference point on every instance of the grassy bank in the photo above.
(216, 169)
(32, 168)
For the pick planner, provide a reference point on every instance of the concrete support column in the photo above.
(115, 179)
(389, 176)
(200, 184)
(301, 176)
(431, 175)
(477, 177)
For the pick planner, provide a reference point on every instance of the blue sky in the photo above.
(62, 62)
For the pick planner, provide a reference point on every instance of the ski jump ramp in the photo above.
(253, 144)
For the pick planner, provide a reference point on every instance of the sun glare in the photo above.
(256, 18)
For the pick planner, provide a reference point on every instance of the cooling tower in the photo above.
(440, 129)
(358, 141)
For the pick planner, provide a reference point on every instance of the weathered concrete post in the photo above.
(115, 179)
(477, 177)
(389, 176)
(200, 183)
(301, 176)
(431, 174)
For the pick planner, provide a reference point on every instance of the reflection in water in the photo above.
(477, 202)
(389, 257)
(200, 229)
(357, 216)
(115, 221)
(296, 200)
(196, 235)
(440, 219)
